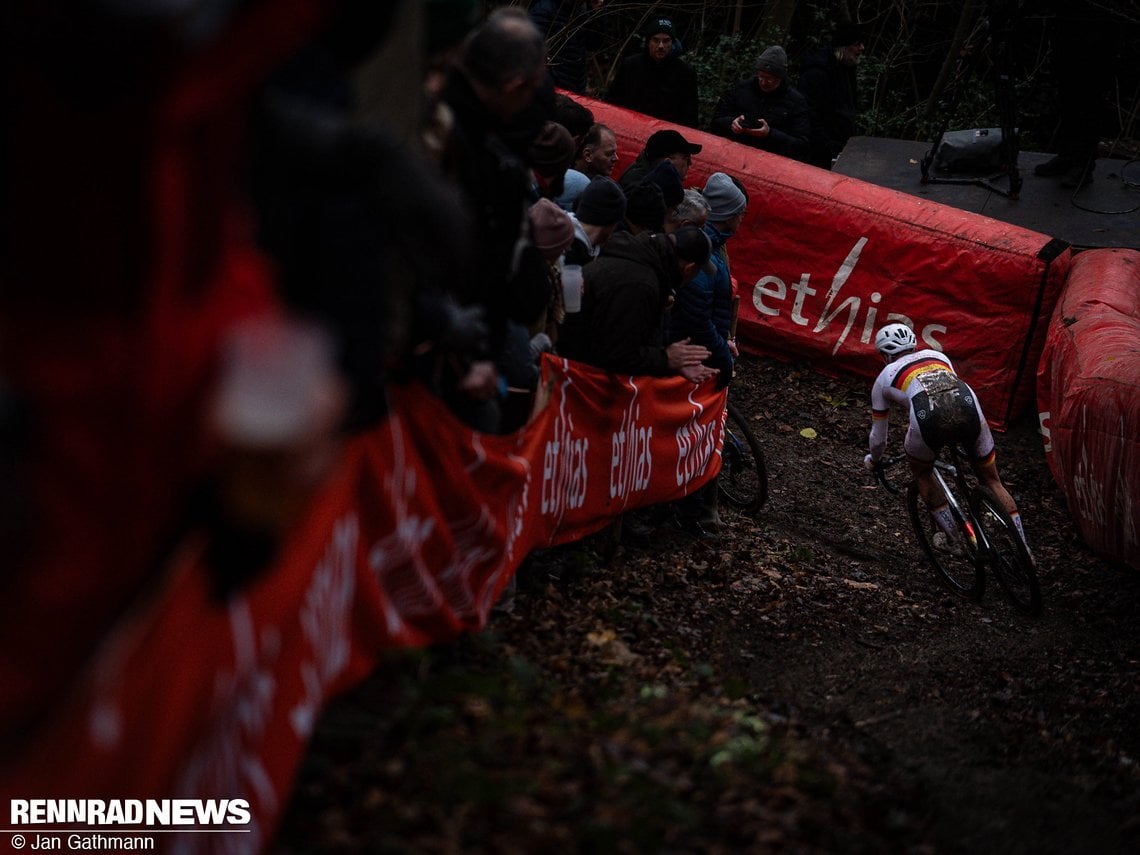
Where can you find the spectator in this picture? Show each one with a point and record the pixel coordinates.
(596, 215)
(656, 81)
(576, 118)
(645, 209)
(661, 146)
(1085, 41)
(668, 180)
(703, 315)
(703, 312)
(597, 157)
(598, 154)
(552, 232)
(693, 210)
(628, 290)
(765, 111)
(599, 211)
(550, 156)
(502, 67)
(573, 183)
(829, 83)
(567, 26)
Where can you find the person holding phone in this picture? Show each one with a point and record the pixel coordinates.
(765, 111)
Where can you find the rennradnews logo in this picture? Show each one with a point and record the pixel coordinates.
(178, 813)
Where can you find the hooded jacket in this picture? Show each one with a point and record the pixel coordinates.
(785, 110)
(623, 306)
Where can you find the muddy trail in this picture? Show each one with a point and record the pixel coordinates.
(802, 683)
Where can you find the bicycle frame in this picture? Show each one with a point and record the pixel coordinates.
(980, 545)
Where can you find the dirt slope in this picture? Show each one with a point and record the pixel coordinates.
(800, 684)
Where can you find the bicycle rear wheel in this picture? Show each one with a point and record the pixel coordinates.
(956, 562)
(743, 480)
(1009, 560)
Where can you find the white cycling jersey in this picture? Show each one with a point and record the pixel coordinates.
(929, 374)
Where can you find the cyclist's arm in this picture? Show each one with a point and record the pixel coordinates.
(880, 411)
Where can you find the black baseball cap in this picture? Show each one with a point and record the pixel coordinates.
(667, 142)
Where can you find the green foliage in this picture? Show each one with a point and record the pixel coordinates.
(720, 66)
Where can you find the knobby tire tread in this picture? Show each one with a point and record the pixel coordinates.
(1009, 560)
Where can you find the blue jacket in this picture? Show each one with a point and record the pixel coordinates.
(703, 309)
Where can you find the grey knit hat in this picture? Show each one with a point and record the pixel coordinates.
(773, 60)
(724, 198)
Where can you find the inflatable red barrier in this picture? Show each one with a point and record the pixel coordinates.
(824, 260)
(409, 543)
(1088, 393)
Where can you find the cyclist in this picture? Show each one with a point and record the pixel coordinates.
(943, 409)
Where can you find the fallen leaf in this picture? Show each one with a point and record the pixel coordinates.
(808, 433)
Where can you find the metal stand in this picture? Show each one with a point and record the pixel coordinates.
(997, 38)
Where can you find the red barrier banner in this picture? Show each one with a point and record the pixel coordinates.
(1088, 393)
(824, 260)
(410, 542)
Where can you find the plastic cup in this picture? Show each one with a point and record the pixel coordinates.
(572, 287)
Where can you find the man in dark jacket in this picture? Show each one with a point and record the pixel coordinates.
(628, 288)
(828, 82)
(766, 111)
(657, 81)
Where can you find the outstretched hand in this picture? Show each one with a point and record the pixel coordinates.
(698, 373)
(682, 354)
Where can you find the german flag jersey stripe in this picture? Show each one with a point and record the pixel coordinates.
(922, 366)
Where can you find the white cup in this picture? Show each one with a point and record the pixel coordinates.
(572, 287)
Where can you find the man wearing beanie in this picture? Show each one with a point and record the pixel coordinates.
(597, 213)
(656, 81)
(550, 155)
(828, 82)
(703, 315)
(765, 111)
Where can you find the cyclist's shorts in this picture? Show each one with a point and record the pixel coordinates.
(945, 413)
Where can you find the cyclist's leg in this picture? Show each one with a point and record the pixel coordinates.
(921, 458)
(984, 460)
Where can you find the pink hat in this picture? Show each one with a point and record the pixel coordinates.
(551, 228)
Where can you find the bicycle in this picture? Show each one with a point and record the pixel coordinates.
(986, 536)
(743, 481)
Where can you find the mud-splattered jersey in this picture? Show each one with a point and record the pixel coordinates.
(900, 381)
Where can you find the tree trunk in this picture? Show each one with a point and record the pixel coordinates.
(780, 14)
(965, 21)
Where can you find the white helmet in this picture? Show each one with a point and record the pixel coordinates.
(894, 339)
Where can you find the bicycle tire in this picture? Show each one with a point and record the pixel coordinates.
(960, 570)
(743, 481)
(1009, 560)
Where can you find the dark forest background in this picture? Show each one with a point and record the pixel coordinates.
(928, 63)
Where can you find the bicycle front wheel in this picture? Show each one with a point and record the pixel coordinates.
(743, 481)
(955, 560)
(1009, 559)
